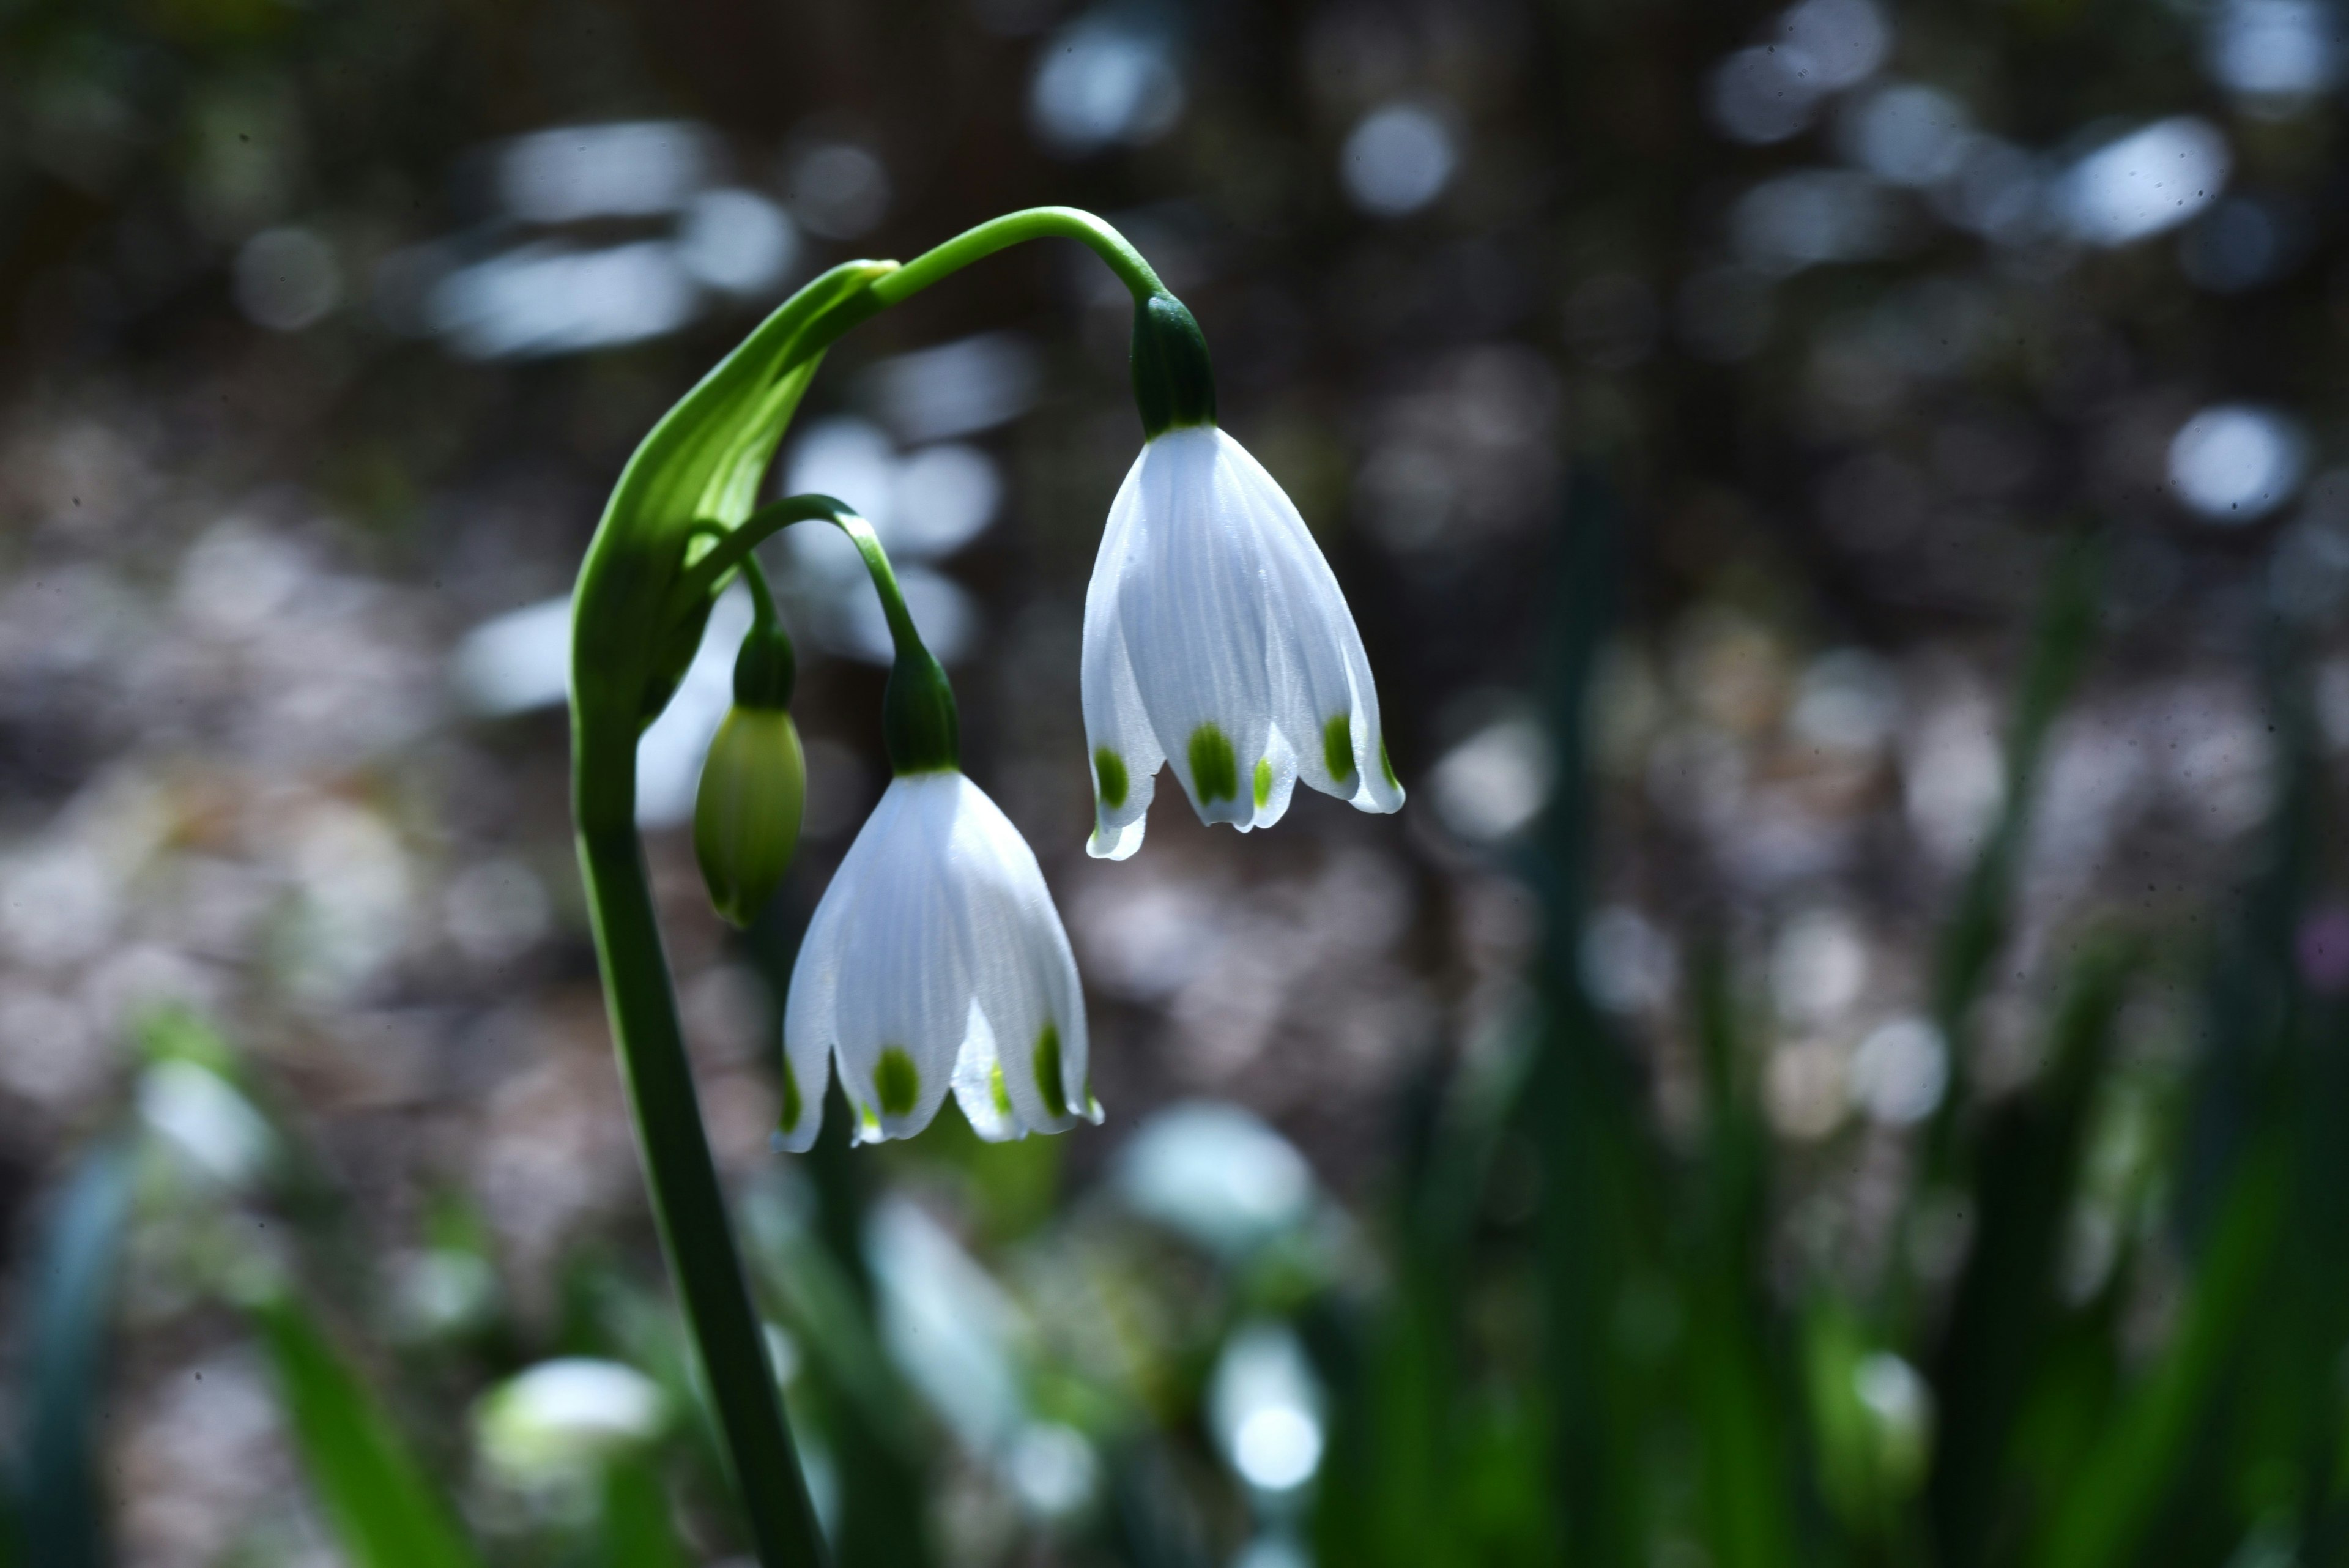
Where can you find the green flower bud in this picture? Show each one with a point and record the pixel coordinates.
(746, 817)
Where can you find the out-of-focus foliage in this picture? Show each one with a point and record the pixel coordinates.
(1841, 1060)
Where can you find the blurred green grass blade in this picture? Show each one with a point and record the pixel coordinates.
(637, 1530)
(2006, 1303)
(64, 1520)
(1742, 1403)
(385, 1512)
(2059, 644)
(1582, 1108)
(2102, 1517)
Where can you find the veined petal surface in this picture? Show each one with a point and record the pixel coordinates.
(1216, 638)
(936, 961)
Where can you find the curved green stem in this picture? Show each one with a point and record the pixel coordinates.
(1011, 228)
(738, 546)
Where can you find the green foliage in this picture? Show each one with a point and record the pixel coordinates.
(386, 1511)
(64, 1358)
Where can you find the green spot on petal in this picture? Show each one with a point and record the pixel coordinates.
(1263, 781)
(1215, 771)
(1387, 767)
(999, 1091)
(896, 1081)
(1338, 747)
(791, 1103)
(1109, 773)
(1048, 1071)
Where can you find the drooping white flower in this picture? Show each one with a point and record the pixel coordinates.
(1216, 638)
(937, 959)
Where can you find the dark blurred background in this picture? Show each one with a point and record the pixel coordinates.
(1840, 500)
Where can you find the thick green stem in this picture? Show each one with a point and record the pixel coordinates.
(689, 1204)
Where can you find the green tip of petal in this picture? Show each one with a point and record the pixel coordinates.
(1109, 774)
(1215, 769)
(1048, 1071)
(792, 1105)
(1263, 781)
(999, 1091)
(896, 1081)
(1338, 747)
(1387, 767)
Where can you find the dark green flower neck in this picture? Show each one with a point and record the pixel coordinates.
(766, 668)
(1173, 385)
(919, 719)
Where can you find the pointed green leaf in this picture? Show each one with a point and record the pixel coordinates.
(385, 1510)
(64, 1506)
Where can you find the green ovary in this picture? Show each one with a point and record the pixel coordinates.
(1109, 774)
(1338, 747)
(896, 1081)
(1263, 781)
(1048, 1071)
(1215, 769)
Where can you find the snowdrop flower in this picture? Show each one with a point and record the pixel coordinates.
(936, 958)
(1216, 636)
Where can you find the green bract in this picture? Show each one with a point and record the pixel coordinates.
(630, 636)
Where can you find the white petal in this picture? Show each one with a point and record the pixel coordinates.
(1120, 746)
(978, 1084)
(903, 998)
(1322, 674)
(1025, 974)
(811, 1011)
(936, 939)
(1195, 611)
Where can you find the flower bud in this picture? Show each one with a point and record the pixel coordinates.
(746, 816)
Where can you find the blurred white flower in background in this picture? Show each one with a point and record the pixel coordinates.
(560, 1421)
(1771, 91)
(1495, 781)
(288, 279)
(1216, 1174)
(206, 1118)
(1818, 966)
(1107, 79)
(737, 241)
(2236, 463)
(1813, 215)
(1906, 133)
(1899, 1071)
(838, 189)
(1263, 1405)
(1627, 964)
(1764, 94)
(624, 169)
(2278, 53)
(1398, 157)
(2148, 180)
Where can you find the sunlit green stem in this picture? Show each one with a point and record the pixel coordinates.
(1011, 228)
(736, 547)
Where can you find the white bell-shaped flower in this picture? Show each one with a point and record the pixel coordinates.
(1216, 638)
(937, 959)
